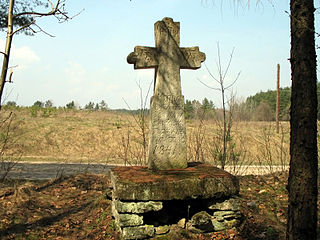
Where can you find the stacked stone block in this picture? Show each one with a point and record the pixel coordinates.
(217, 216)
(129, 218)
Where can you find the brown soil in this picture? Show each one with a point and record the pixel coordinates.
(68, 208)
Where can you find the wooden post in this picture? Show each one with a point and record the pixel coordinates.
(278, 98)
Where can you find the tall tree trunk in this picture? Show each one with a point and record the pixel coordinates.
(6, 54)
(302, 185)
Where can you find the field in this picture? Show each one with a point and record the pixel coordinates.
(110, 137)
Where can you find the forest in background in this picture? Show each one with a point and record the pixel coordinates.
(259, 107)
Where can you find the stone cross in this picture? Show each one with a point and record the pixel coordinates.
(167, 131)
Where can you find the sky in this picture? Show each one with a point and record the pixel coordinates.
(86, 60)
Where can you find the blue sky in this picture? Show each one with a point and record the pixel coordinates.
(86, 61)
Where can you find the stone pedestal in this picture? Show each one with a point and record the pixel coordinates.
(201, 198)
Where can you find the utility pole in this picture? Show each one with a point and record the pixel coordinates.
(278, 98)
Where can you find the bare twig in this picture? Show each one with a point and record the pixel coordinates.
(217, 89)
(40, 30)
(141, 121)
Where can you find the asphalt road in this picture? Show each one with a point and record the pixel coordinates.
(46, 171)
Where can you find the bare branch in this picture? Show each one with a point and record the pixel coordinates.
(36, 14)
(217, 89)
(53, 11)
(24, 27)
(145, 100)
(57, 10)
(219, 65)
(51, 4)
(142, 104)
(41, 30)
(10, 77)
(229, 86)
(229, 63)
(211, 73)
(132, 114)
(75, 15)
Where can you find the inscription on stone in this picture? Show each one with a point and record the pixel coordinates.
(167, 134)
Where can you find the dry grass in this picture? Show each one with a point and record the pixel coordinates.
(252, 143)
(109, 137)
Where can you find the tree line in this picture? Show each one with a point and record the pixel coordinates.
(91, 106)
(259, 107)
(265, 103)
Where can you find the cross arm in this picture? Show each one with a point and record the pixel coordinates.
(191, 58)
(143, 57)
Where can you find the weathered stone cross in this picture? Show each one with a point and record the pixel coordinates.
(167, 134)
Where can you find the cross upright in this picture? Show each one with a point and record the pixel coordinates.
(167, 134)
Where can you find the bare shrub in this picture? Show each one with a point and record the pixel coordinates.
(10, 148)
(124, 147)
(130, 149)
(137, 146)
(227, 114)
(273, 149)
(196, 142)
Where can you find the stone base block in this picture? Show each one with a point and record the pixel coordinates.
(197, 181)
(200, 198)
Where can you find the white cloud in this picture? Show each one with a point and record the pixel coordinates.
(86, 85)
(21, 56)
(25, 54)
